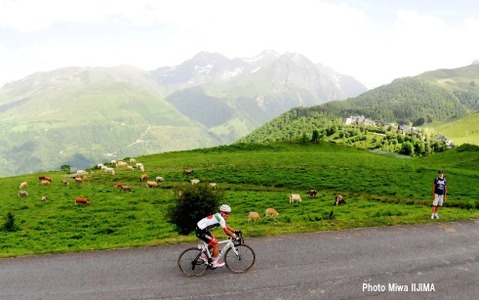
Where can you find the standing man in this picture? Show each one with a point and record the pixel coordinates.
(439, 192)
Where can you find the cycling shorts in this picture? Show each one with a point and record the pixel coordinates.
(204, 235)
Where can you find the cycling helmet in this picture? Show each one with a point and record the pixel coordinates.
(225, 208)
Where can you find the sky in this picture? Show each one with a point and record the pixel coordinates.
(375, 41)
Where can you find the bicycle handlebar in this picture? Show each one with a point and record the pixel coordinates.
(239, 237)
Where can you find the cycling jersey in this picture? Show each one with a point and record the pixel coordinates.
(212, 221)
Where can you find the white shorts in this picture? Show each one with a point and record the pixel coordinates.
(438, 200)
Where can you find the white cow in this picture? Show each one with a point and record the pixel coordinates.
(294, 198)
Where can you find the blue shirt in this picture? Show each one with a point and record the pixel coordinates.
(439, 185)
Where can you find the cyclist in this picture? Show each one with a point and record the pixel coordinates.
(204, 226)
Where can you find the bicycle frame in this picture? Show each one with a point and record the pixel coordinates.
(239, 260)
(229, 244)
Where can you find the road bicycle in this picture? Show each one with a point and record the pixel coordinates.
(238, 257)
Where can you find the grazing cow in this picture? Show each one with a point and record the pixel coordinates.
(82, 201)
(187, 172)
(159, 179)
(144, 177)
(125, 188)
(253, 216)
(294, 198)
(121, 164)
(312, 193)
(151, 184)
(195, 181)
(46, 182)
(78, 180)
(65, 182)
(41, 177)
(132, 161)
(271, 212)
(213, 185)
(140, 166)
(22, 193)
(339, 199)
(44, 198)
(49, 179)
(23, 185)
(130, 168)
(118, 185)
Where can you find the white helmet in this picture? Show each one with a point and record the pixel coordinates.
(225, 208)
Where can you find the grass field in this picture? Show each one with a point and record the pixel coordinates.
(464, 130)
(380, 190)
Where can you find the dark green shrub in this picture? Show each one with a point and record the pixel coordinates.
(10, 222)
(193, 203)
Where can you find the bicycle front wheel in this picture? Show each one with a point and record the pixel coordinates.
(190, 264)
(241, 262)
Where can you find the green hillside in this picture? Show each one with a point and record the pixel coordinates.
(380, 190)
(78, 116)
(438, 96)
(462, 131)
(437, 102)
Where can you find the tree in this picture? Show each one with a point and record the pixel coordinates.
(193, 203)
(65, 168)
(419, 122)
(304, 138)
(10, 222)
(315, 138)
(407, 149)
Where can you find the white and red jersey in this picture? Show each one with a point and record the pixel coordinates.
(212, 221)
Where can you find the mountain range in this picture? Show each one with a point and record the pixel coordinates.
(79, 116)
(444, 99)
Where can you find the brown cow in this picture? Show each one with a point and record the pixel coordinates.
(271, 212)
(144, 177)
(339, 199)
(151, 184)
(46, 182)
(125, 188)
(118, 185)
(82, 201)
(312, 193)
(253, 216)
(22, 193)
(78, 180)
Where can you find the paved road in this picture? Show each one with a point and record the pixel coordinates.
(354, 264)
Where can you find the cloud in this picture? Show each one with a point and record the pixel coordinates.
(31, 15)
(373, 45)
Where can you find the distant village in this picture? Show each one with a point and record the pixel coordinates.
(362, 120)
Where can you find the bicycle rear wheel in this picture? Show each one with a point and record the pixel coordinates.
(190, 264)
(241, 262)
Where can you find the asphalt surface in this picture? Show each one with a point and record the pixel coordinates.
(429, 261)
